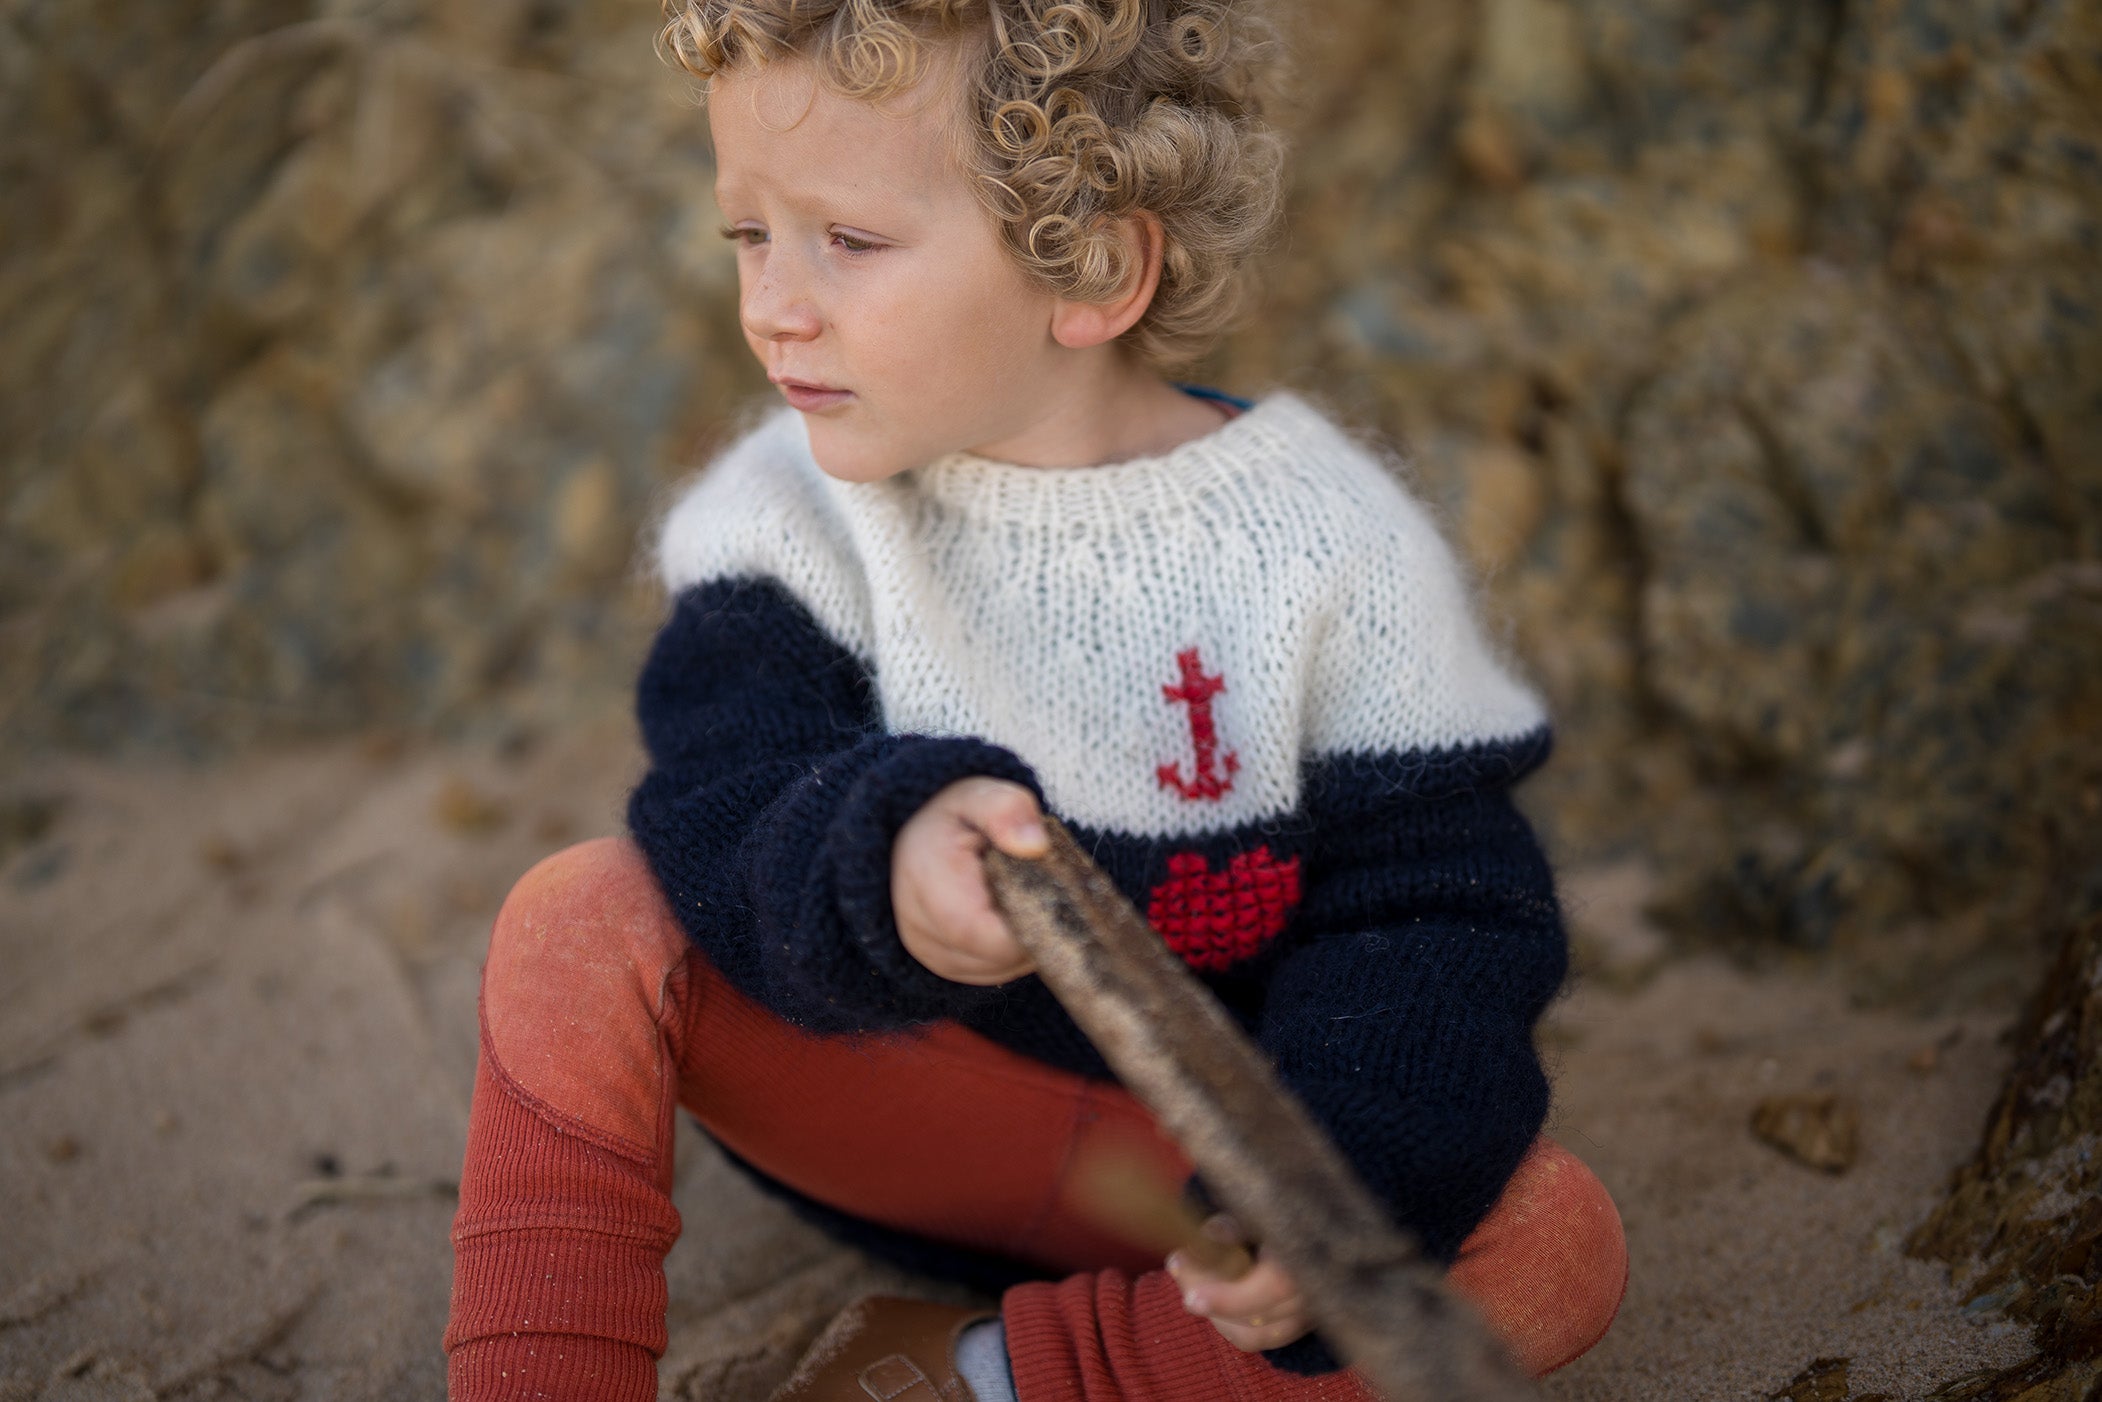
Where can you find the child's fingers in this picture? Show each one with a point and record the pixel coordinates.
(1257, 1310)
(1007, 814)
(962, 912)
(945, 913)
(1271, 1333)
(1220, 1250)
(1265, 1292)
(938, 885)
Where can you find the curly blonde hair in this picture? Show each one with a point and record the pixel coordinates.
(1081, 112)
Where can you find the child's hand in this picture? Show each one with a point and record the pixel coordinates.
(1259, 1310)
(937, 880)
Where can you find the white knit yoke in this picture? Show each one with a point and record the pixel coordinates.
(1046, 609)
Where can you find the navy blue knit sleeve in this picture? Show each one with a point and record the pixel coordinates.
(1428, 945)
(771, 803)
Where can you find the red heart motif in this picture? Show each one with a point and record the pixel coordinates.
(1216, 919)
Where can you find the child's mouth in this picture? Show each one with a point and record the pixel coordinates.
(810, 398)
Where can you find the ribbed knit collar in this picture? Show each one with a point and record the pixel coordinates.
(1268, 435)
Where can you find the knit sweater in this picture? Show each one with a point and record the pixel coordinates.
(1244, 672)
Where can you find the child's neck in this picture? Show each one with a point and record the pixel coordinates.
(1108, 408)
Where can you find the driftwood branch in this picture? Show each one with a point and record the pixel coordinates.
(1373, 1295)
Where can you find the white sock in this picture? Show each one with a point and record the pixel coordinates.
(981, 1356)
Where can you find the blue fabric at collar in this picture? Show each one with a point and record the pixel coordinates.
(1219, 395)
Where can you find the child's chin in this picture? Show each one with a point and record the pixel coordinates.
(852, 458)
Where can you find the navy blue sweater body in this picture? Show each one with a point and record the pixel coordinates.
(1398, 1001)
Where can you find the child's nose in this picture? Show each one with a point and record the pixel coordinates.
(776, 305)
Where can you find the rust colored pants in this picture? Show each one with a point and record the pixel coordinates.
(599, 1021)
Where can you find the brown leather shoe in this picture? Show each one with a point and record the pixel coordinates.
(888, 1350)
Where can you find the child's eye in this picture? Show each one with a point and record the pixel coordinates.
(851, 244)
(746, 235)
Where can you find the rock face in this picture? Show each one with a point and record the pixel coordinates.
(1750, 352)
(348, 347)
(2023, 1221)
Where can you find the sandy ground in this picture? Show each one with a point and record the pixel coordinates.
(237, 1039)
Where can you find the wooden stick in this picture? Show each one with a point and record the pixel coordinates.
(1124, 1192)
(1373, 1295)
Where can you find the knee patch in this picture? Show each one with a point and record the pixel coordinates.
(1549, 1266)
(580, 990)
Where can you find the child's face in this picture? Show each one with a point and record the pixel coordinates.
(873, 285)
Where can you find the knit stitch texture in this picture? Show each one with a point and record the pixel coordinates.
(1246, 672)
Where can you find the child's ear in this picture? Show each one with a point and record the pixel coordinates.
(1077, 325)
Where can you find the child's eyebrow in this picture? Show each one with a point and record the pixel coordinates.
(879, 204)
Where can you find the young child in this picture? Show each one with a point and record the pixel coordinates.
(990, 563)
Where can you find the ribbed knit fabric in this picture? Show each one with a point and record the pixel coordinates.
(558, 1267)
(1110, 1337)
(1246, 674)
(532, 1367)
(594, 993)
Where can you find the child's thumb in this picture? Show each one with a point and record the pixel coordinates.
(1017, 825)
(1026, 837)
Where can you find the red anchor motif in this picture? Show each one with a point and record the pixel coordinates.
(1197, 690)
(1216, 919)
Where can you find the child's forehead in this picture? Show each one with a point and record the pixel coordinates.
(781, 123)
